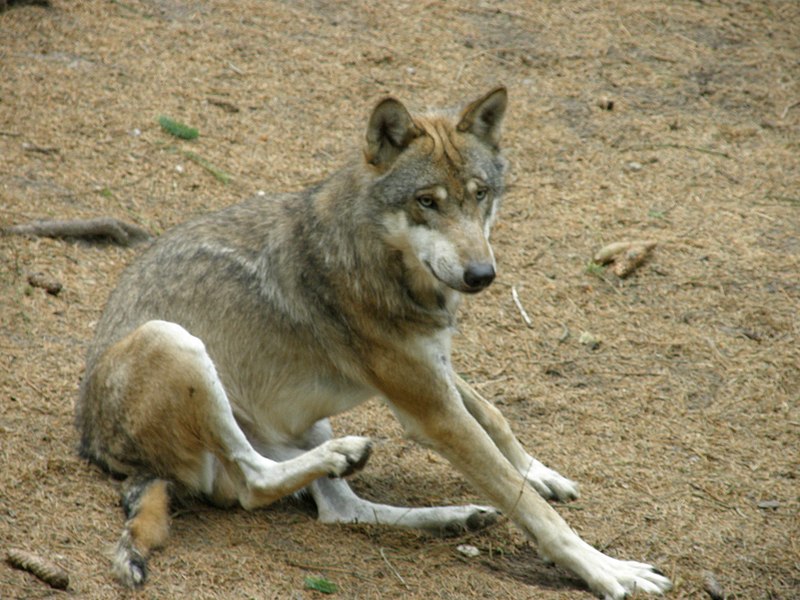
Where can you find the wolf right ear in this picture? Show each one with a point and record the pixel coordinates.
(484, 117)
(391, 129)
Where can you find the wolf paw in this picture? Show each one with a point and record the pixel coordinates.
(609, 578)
(550, 484)
(129, 566)
(460, 519)
(627, 577)
(347, 455)
(481, 517)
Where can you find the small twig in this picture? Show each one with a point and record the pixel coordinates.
(397, 574)
(40, 149)
(525, 316)
(331, 569)
(677, 146)
(224, 105)
(121, 233)
(493, 11)
(722, 358)
(34, 387)
(788, 108)
(711, 496)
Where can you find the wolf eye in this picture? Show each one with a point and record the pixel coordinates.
(481, 194)
(426, 201)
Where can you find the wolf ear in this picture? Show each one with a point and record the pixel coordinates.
(389, 132)
(484, 117)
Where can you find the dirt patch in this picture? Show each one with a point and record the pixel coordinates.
(682, 425)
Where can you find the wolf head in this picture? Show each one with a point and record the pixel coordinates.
(441, 180)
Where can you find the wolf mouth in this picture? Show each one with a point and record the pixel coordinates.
(436, 277)
(463, 287)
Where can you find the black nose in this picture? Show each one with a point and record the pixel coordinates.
(478, 276)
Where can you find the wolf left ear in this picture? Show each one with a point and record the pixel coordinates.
(484, 117)
(390, 131)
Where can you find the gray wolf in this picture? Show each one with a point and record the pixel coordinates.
(228, 344)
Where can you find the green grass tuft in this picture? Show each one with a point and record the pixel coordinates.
(594, 269)
(321, 584)
(218, 173)
(179, 130)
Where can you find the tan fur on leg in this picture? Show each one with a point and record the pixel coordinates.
(146, 503)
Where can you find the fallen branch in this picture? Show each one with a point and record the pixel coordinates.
(118, 232)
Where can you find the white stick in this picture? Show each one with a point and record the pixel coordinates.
(525, 316)
(397, 574)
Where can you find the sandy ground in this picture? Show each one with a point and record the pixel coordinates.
(676, 122)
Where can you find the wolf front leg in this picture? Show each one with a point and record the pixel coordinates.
(549, 483)
(428, 403)
(338, 503)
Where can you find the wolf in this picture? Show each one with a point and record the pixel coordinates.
(227, 345)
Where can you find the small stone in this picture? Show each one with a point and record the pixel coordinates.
(712, 586)
(590, 340)
(47, 283)
(769, 504)
(468, 551)
(606, 103)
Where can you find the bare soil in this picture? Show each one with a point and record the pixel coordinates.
(677, 122)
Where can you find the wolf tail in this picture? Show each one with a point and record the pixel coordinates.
(145, 500)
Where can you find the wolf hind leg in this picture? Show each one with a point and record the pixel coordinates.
(187, 430)
(145, 500)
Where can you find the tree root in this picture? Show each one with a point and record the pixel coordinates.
(100, 228)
